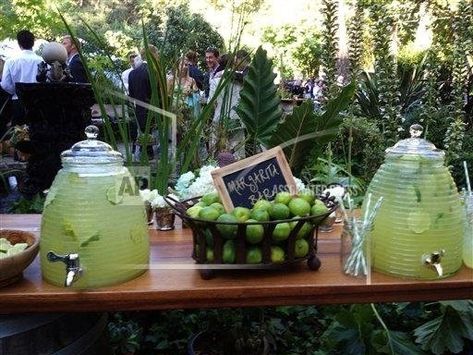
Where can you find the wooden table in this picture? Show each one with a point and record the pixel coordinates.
(172, 282)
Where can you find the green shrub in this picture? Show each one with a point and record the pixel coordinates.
(367, 149)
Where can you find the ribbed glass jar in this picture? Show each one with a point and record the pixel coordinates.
(421, 215)
(94, 209)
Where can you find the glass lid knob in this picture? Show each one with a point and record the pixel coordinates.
(416, 130)
(91, 132)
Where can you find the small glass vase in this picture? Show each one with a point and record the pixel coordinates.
(468, 232)
(165, 218)
(149, 213)
(327, 225)
(355, 249)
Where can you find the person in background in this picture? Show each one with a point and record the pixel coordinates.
(183, 86)
(227, 101)
(194, 72)
(73, 60)
(214, 81)
(21, 68)
(139, 89)
(126, 73)
(5, 106)
(211, 58)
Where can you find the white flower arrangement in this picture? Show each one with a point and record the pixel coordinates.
(337, 191)
(299, 184)
(148, 195)
(189, 185)
(159, 201)
(154, 199)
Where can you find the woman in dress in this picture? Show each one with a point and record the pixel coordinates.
(185, 93)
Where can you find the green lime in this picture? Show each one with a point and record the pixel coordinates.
(113, 196)
(299, 207)
(229, 254)
(253, 255)
(194, 211)
(419, 221)
(210, 198)
(259, 215)
(281, 232)
(241, 213)
(279, 211)
(318, 208)
(208, 213)
(209, 238)
(262, 205)
(301, 248)
(218, 206)
(304, 231)
(283, 197)
(201, 204)
(229, 231)
(254, 232)
(210, 255)
(308, 195)
(277, 254)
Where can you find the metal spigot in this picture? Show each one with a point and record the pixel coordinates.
(73, 268)
(433, 260)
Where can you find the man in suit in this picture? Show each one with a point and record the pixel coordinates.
(73, 60)
(211, 58)
(21, 68)
(139, 89)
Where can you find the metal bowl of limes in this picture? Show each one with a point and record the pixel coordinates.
(260, 241)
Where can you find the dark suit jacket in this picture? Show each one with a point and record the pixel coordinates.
(139, 87)
(77, 70)
(197, 75)
(6, 111)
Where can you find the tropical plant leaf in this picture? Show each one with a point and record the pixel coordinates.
(353, 330)
(259, 107)
(293, 135)
(446, 332)
(304, 129)
(399, 343)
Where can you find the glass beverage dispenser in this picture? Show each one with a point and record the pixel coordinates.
(419, 228)
(94, 230)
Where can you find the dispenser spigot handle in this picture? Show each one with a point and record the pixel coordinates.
(433, 260)
(72, 262)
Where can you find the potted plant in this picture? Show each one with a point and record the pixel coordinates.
(164, 214)
(147, 196)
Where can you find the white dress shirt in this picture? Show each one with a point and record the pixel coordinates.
(22, 68)
(125, 76)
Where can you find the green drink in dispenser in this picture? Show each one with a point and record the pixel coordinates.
(418, 231)
(94, 229)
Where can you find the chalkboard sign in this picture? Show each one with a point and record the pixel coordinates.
(248, 180)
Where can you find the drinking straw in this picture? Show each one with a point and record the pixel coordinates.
(342, 208)
(367, 210)
(468, 185)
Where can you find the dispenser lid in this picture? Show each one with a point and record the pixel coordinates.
(91, 151)
(415, 146)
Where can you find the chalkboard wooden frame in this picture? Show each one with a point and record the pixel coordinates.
(218, 175)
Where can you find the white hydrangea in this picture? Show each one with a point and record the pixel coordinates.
(184, 181)
(299, 184)
(158, 202)
(198, 185)
(148, 195)
(337, 191)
